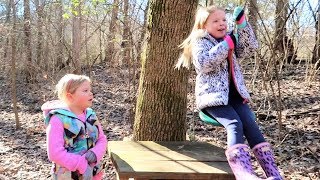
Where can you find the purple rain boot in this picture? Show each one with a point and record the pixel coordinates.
(264, 155)
(239, 160)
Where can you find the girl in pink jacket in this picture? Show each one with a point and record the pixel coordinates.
(75, 139)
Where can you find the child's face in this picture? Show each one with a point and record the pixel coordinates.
(216, 24)
(83, 96)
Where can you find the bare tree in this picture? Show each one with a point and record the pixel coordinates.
(209, 2)
(126, 35)
(13, 64)
(27, 41)
(280, 21)
(76, 37)
(39, 8)
(162, 100)
(60, 35)
(9, 5)
(316, 49)
(252, 15)
(110, 49)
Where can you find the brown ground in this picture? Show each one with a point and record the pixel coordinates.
(23, 151)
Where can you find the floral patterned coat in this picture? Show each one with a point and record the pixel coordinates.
(211, 64)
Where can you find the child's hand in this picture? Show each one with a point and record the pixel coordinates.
(239, 17)
(91, 157)
(87, 175)
(230, 40)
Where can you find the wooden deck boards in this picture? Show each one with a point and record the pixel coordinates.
(168, 160)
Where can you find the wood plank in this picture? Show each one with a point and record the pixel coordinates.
(172, 166)
(186, 147)
(173, 169)
(168, 160)
(170, 155)
(165, 145)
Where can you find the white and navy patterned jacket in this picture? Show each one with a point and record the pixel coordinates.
(210, 61)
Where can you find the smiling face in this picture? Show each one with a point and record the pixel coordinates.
(216, 24)
(81, 98)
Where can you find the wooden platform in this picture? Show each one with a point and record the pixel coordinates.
(168, 160)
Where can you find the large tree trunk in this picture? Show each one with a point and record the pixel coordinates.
(162, 100)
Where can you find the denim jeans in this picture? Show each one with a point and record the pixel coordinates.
(238, 119)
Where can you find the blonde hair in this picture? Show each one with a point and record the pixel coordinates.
(69, 83)
(198, 31)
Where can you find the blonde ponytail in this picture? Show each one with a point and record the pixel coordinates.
(198, 31)
(186, 56)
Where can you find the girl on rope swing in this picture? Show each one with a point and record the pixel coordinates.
(220, 88)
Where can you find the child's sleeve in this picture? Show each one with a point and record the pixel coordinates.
(207, 56)
(101, 145)
(248, 43)
(56, 151)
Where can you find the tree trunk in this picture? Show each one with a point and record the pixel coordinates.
(316, 49)
(27, 42)
(142, 35)
(281, 31)
(5, 54)
(13, 64)
(39, 7)
(126, 44)
(126, 35)
(59, 63)
(209, 2)
(252, 15)
(110, 54)
(162, 100)
(76, 38)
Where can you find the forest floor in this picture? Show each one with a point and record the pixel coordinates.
(297, 149)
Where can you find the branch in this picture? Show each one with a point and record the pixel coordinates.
(304, 112)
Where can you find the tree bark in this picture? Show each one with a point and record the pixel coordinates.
(76, 39)
(110, 54)
(252, 15)
(143, 32)
(316, 49)
(281, 30)
(13, 65)
(126, 35)
(27, 42)
(162, 100)
(5, 54)
(39, 49)
(59, 63)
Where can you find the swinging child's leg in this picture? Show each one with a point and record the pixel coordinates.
(228, 117)
(250, 127)
(261, 149)
(237, 153)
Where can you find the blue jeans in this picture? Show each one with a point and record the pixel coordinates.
(238, 119)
